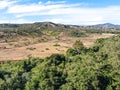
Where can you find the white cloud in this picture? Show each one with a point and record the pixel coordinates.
(53, 2)
(35, 8)
(6, 3)
(61, 12)
(18, 21)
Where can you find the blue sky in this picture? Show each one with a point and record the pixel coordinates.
(79, 12)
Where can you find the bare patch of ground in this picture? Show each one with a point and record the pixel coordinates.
(19, 51)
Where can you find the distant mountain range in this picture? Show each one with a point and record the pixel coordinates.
(51, 24)
(39, 29)
(106, 25)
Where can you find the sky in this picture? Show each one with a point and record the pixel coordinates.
(76, 12)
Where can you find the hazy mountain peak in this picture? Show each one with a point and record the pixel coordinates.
(106, 24)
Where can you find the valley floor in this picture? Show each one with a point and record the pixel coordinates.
(8, 51)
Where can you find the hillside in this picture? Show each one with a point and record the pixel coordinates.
(39, 29)
(41, 39)
(81, 68)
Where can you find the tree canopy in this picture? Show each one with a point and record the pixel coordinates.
(95, 68)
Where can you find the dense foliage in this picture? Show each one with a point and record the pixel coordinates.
(95, 68)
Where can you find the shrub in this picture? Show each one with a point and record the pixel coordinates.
(56, 44)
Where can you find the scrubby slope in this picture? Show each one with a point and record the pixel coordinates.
(96, 68)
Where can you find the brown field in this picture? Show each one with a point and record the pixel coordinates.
(19, 51)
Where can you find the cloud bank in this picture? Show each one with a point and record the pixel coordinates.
(58, 12)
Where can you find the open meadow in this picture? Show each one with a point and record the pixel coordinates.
(20, 50)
